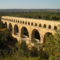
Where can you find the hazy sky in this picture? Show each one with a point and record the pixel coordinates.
(28, 4)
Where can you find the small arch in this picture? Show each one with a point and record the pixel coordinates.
(23, 22)
(18, 21)
(44, 25)
(40, 25)
(11, 20)
(10, 27)
(49, 26)
(32, 24)
(28, 23)
(35, 37)
(16, 30)
(24, 32)
(55, 27)
(14, 20)
(35, 24)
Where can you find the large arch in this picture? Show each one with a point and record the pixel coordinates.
(16, 30)
(48, 34)
(24, 32)
(10, 27)
(35, 37)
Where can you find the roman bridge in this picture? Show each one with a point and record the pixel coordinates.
(29, 29)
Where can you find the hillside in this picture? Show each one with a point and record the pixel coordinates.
(29, 10)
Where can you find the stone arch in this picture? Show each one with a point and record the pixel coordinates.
(49, 27)
(35, 24)
(44, 25)
(16, 29)
(40, 25)
(10, 27)
(48, 34)
(24, 32)
(32, 24)
(35, 36)
(55, 27)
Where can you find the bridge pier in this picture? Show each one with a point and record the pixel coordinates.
(42, 39)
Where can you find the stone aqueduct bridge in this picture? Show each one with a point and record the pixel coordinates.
(30, 29)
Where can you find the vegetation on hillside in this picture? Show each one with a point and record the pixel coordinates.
(37, 15)
(52, 46)
(7, 43)
(9, 48)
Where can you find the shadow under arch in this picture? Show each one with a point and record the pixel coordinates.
(10, 27)
(48, 34)
(16, 29)
(24, 32)
(35, 37)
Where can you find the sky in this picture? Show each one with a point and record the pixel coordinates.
(29, 4)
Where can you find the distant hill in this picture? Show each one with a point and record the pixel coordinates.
(29, 10)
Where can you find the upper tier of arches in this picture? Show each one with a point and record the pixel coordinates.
(39, 24)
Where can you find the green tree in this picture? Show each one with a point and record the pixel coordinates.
(8, 44)
(52, 45)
